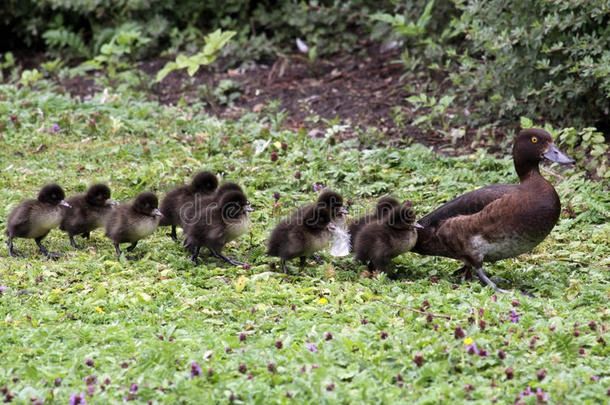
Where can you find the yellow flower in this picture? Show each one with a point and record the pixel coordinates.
(322, 301)
(100, 310)
(468, 341)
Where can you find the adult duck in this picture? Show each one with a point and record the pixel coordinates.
(501, 220)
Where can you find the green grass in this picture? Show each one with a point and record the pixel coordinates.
(144, 322)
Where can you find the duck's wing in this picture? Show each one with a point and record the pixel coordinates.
(467, 204)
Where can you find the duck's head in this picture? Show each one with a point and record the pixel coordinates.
(205, 182)
(234, 204)
(403, 216)
(333, 202)
(385, 204)
(52, 194)
(227, 187)
(99, 195)
(147, 204)
(317, 217)
(533, 145)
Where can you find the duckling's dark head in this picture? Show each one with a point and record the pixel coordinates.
(316, 217)
(234, 204)
(228, 186)
(52, 194)
(205, 182)
(334, 202)
(531, 146)
(403, 216)
(147, 204)
(99, 195)
(385, 204)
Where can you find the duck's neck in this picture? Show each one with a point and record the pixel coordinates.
(526, 170)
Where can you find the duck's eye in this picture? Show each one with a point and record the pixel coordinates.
(534, 139)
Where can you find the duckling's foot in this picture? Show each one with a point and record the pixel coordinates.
(132, 258)
(226, 258)
(173, 234)
(490, 283)
(284, 269)
(132, 246)
(11, 251)
(195, 257)
(73, 244)
(302, 261)
(527, 294)
(465, 273)
(317, 258)
(45, 251)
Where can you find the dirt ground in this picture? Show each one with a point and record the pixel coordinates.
(363, 90)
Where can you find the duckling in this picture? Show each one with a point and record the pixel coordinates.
(501, 220)
(33, 219)
(89, 211)
(301, 234)
(378, 242)
(384, 205)
(204, 184)
(220, 221)
(132, 222)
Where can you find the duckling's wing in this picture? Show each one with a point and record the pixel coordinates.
(18, 220)
(467, 204)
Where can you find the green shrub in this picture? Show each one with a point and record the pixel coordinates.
(546, 59)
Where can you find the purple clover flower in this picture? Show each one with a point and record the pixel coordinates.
(312, 348)
(2, 288)
(55, 128)
(318, 187)
(472, 349)
(514, 317)
(78, 399)
(134, 388)
(195, 369)
(90, 390)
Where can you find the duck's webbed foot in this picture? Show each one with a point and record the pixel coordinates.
(481, 274)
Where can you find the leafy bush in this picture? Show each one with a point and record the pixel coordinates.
(545, 59)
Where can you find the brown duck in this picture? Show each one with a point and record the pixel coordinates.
(501, 220)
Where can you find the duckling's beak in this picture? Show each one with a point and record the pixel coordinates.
(248, 208)
(554, 155)
(343, 211)
(65, 203)
(332, 226)
(157, 212)
(110, 202)
(418, 225)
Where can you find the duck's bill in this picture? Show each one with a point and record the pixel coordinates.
(418, 225)
(65, 203)
(248, 208)
(157, 212)
(110, 202)
(554, 155)
(343, 211)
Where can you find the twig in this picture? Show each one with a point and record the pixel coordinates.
(413, 309)
(599, 266)
(547, 171)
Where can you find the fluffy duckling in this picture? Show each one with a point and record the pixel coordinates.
(384, 206)
(89, 211)
(219, 221)
(379, 242)
(33, 219)
(204, 184)
(129, 223)
(301, 234)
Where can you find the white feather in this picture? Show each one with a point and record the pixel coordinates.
(341, 245)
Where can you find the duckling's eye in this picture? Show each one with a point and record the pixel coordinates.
(534, 139)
